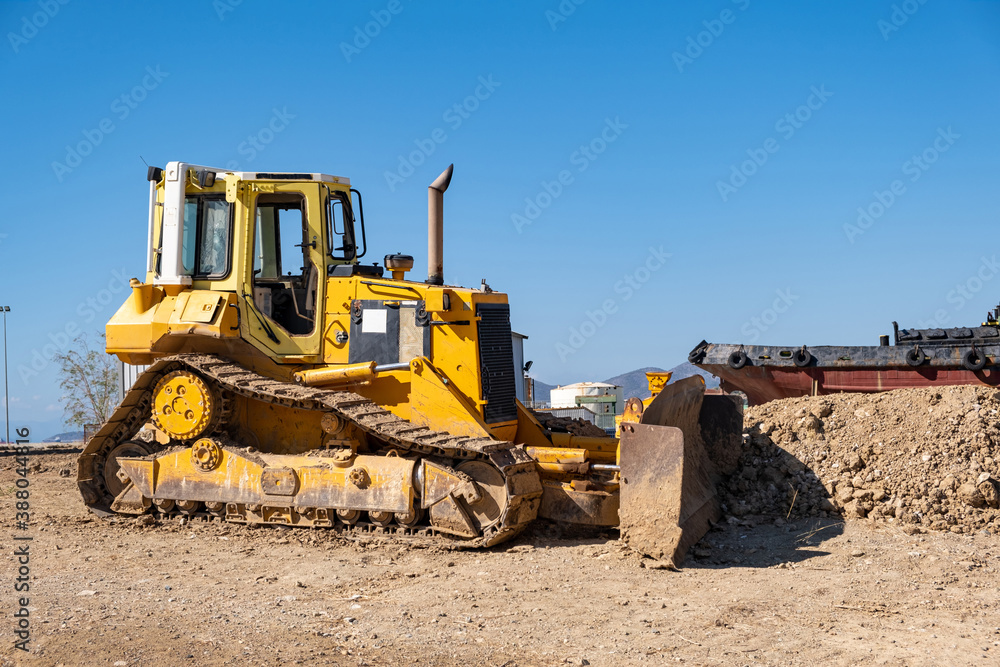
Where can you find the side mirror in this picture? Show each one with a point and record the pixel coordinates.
(360, 217)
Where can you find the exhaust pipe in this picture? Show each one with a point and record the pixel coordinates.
(435, 227)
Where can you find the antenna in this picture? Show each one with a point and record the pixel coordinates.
(144, 161)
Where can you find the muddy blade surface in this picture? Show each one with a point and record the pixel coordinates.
(670, 465)
(668, 498)
(678, 405)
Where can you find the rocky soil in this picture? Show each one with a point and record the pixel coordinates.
(924, 458)
(758, 590)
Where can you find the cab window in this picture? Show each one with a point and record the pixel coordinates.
(285, 279)
(205, 250)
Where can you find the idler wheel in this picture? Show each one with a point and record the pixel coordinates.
(184, 406)
(493, 487)
(738, 359)
(127, 449)
(973, 360)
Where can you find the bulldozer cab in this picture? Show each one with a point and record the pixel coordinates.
(272, 239)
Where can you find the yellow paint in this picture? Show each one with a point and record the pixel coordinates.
(320, 482)
(182, 405)
(529, 431)
(656, 382)
(439, 406)
(336, 375)
(201, 307)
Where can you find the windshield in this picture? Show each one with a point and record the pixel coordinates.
(205, 244)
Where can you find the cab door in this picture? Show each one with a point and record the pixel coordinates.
(284, 286)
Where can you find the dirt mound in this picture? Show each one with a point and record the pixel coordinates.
(921, 457)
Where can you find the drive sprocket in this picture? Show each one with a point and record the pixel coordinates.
(184, 406)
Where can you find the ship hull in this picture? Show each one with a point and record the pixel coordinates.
(770, 372)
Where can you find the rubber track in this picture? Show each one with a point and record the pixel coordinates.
(135, 410)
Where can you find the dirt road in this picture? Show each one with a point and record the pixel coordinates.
(756, 591)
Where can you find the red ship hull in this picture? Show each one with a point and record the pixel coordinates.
(768, 383)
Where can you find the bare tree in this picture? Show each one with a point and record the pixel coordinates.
(89, 380)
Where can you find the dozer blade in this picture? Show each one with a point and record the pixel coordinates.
(668, 497)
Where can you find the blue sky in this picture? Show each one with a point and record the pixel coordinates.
(590, 141)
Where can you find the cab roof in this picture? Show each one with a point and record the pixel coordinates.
(267, 175)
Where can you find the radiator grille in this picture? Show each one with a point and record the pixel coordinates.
(496, 356)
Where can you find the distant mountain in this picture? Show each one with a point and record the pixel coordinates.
(634, 383)
(69, 436)
(686, 370)
(542, 391)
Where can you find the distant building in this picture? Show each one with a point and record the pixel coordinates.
(127, 375)
(602, 399)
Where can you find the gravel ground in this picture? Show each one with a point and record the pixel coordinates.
(756, 590)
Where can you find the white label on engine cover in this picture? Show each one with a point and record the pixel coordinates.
(373, 321)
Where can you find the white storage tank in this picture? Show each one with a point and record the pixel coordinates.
(598, 397)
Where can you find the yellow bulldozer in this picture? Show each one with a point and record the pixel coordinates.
(288, 383)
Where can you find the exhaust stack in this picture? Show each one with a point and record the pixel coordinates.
(435, 227)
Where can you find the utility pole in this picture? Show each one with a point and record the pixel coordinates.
(6, 396)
